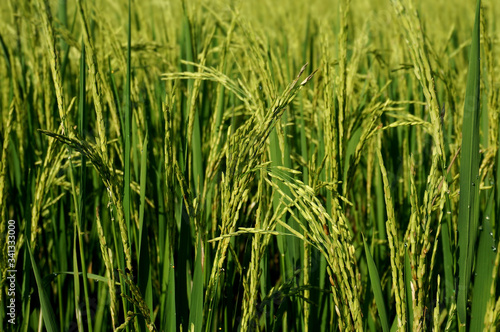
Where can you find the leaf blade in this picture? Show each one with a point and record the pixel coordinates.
(469, 174)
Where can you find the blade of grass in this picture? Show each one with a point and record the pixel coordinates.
(448, 261)
(486, 254)
(170, 319)
(76, 282)
(469, 176)
(377, 288)
(91, 276)
(409, 291)
(196, 308)
(47, 312)
(127, 132)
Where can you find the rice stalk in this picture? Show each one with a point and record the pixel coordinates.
(392, 236)
(234, 189)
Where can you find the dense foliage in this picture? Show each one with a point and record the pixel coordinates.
(252, 165)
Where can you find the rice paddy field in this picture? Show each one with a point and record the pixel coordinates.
(249, 165)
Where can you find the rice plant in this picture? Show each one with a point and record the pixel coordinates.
(249, 166)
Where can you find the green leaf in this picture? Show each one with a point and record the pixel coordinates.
(469, 175)
(408, 286)
(486, 254)
(196, 308)
(377, 288)
(47, 312)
